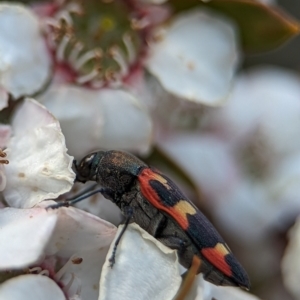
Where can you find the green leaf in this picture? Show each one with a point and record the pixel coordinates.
(262, 27)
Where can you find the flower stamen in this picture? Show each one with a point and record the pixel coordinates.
(61, 49)
(96, 40)
(139, 24)
(73, 57)
(119, 58)
(127, 40)
(88, 77)
(3, 161)
(68, 286)
(39, 271)
(84, 58)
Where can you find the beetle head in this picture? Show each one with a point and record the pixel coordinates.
(87, 168)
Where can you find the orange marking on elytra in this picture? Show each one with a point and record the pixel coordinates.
(178, 212)
(216, 256)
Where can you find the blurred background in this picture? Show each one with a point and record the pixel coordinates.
(225, 127)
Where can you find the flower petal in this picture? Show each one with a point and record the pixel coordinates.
(143, 262)
(205, 158)
(77, 229)
(39, 166)
(107, 118)
(204, 290)
(211, 291)
(84, 237)
(24, 59)
(16, 225)
(264, 100)
(33, 287)
(195, 57)
(290, 264)
(5, 133)
(98, 205)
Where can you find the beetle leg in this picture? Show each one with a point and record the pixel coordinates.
(129, 214)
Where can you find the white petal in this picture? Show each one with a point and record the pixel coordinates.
(264, 101)
(107, 119)
(144, 269)
(30, 287)
(205, 158)
(291, 263)
(39, 166)
(211, 291)
(77, 229)
(208, 291)
(81, 235)
(283, 185)
(99, 206)
(196, 57)
(32, 115)
(24, 59)
(5, 133)
(278, 92)
(24, 234)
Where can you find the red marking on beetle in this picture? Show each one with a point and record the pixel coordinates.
(216, 257)
(176, 212)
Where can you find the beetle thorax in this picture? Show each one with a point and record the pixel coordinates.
(118, 171)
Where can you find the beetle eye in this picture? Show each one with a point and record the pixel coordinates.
(85, 169)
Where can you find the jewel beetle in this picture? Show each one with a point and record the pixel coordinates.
(153, 201)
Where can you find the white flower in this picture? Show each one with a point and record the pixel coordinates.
(39, 167)
(68, 245)
(105, 75)
(195, 57)
(34, 287)
(105, 118)
(248, 160)
(144, 269)
(16, 225)
(290, 263)
(203, 290)
(25, 64)
(246, 163)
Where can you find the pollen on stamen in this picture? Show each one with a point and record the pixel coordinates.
(3, 161)
(112, 77)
